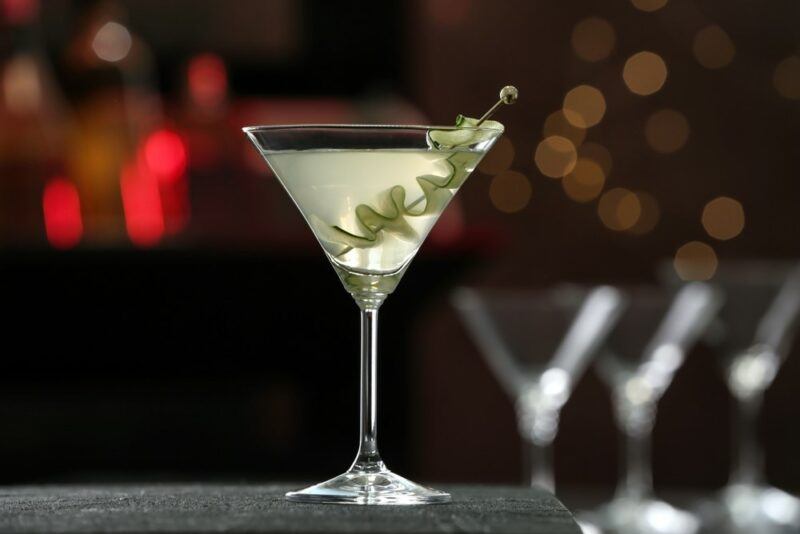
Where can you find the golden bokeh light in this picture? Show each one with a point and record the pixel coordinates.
(723, 218)
(499, 158)
(585, 182)
(713, 47)
(599, 154)
(666, 131)
(555, 156)
(786, 78)
(619, 209)
(584, 106)
(649, 5)
(645, 73)
(650, 214)
(695, 261)
(557, 124)
(510, 191)
(593, 39)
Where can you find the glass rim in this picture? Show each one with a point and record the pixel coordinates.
(271, 127)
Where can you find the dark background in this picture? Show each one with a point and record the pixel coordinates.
(225, 347)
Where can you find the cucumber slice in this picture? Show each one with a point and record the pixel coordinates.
(443, 139)
(391, 211)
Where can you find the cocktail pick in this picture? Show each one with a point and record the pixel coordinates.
(508, 96)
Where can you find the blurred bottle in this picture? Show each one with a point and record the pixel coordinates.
(109, 74)
(32, 124)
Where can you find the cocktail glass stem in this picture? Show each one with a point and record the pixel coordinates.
(538, 426)
(636, 422)
(749, 457)
(540, 465)
(368, 458)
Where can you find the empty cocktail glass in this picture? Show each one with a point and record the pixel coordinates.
(538, 344)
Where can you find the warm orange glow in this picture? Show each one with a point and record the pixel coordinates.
(555, 156)
(786, 78)
(645, 73)
(207, 80)
(62, 213)
(723, 218)
(593, 39)
(666, 131)
(713, 48)
(599, 154)
(165, 155)
(650, 214)
(141, 201)
(499, 158)
(557, 124)
(585, 182)
(584, 106)
(649, 5)
(619, 209)
(510, 191)
(695, 261)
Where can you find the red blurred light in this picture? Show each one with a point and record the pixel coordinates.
(141, 200)
(19, 11)
(165, 155)
(62, 213)
(207, 80)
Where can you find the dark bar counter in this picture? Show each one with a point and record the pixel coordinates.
(262, 508)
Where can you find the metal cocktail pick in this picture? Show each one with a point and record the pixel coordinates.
(508, 96)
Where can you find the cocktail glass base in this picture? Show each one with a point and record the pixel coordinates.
(369, 487)
(640, 516)
(757, 508)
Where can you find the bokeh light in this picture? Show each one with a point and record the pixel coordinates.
(164, 154)
(510, 191)
(584, 106)
(713, 47)
(649, 5)
(18, 11)
(112, 42)
(62, 213)
(645, 73)
(695, 261)
(141, 202)
(207, 80)
(619, 209)
(666, 131)
(557, 124)
(650, 214)
(599, 154)
(593, 39)
(499, 158)
(786, 78)
(22, 86)
(585, 182)
(723, 218)
(555, 156)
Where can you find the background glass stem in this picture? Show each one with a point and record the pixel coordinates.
(749, 457)
(539, 465)
(636, 423)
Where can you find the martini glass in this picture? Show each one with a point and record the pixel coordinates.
(371, 194)
(642, 354)
(538, 344)
(754, 335)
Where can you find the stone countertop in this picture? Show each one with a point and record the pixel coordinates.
(262, 509)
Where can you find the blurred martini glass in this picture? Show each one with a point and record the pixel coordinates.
(371, 194)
